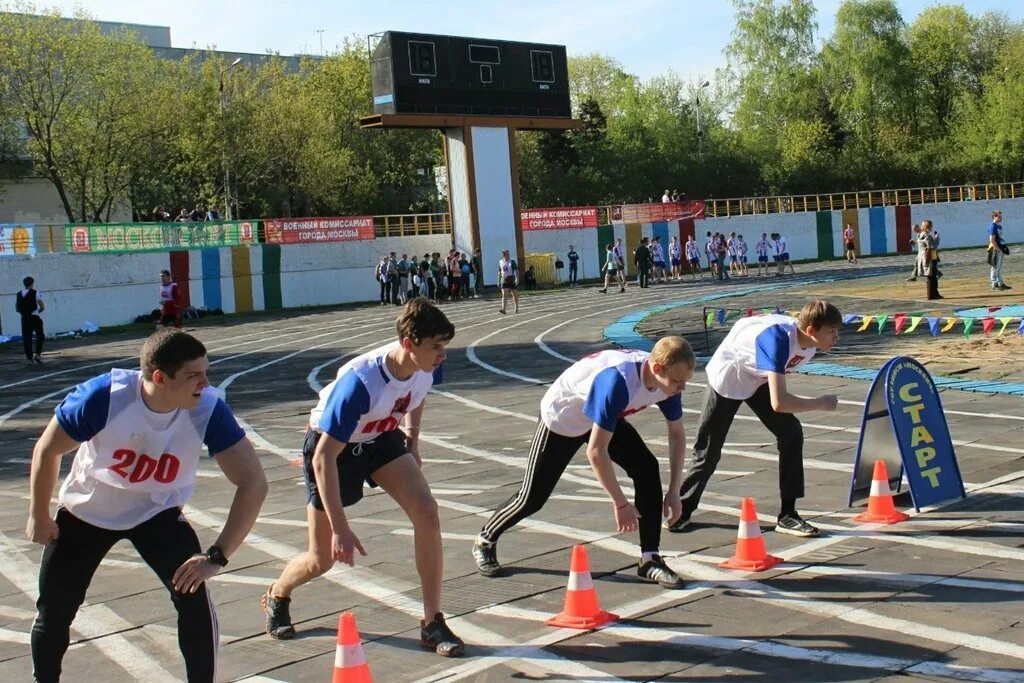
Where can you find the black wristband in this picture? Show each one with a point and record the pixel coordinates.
(216, 555)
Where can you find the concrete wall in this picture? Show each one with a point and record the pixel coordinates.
(35, 200)
(114, 289)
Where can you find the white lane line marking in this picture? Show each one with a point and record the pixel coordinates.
(446, 535)
(374, 585)
(100, 624)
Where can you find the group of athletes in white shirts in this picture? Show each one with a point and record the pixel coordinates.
(138, 436)
(724, 256)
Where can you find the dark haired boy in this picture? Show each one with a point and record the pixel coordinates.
(750, 366)
(353, 437)
(29, 304)
(170, 311)
(139, 437)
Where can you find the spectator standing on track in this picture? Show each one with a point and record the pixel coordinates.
(467, 271)
(741, 251)
(353, 436)
(750, 366)
(642, 261)
(437, 271)
(393, 279)
(611, 270)
(722, 251)
(734, 254)
(997, 251)
(170, 298)
(382, 277)
(477, 264)
(588, 404)
(693, 256)
(922, 249)
(29, 305)
(139, 437)
(658, 259)
(454, 274)
(851, 246)
(508, 280)
(675, 257)
(708, 254)
(782, 251)
(620, 257)
(574, 262)
(403, 278)
(765, 247)
(930, 263)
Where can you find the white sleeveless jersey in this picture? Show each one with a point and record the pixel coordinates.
(692, 250)
(780, 246)
(168, 293)
(129, 471)
(673, 249)
(505, 268)
(567, 402)
(365, 400)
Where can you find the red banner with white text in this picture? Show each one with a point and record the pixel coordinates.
(559, 219)
(307, 230)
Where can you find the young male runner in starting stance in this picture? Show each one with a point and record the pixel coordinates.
(587, 404)
(354, 436)
(750, 366)
(139, 437)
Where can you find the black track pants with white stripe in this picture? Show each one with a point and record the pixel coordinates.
(551, 453)
(164, 541)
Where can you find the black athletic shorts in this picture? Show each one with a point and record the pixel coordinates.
(356, 464)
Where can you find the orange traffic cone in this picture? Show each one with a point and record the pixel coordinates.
(881, 509)
(349, 661)
(750, 554)
(581, 607)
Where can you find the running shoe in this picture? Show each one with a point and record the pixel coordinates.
(656, 570)
(279, 621)
(486, 556)
(794, 525)
(438, 637)
(679, 525)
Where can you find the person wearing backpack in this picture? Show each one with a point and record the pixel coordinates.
(29, 305)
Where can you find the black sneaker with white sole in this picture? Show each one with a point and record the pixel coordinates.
(279, 621)
(679, 525)
(438, 637)
(794, 525)
(656, 570)
(486, 556)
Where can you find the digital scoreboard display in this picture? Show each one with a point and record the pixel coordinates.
(418, 73)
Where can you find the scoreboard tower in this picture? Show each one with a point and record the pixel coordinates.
(478, 92)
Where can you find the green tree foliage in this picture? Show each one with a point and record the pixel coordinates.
(882, 101)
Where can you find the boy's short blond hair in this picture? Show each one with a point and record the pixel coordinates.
(673, 350)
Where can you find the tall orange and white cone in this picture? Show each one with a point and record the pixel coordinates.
(581, 607)
(751, 554)
(881, 509)
(349, 661)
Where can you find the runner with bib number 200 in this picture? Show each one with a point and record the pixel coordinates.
(139, 437)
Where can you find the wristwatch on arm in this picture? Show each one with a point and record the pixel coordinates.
(215, 555)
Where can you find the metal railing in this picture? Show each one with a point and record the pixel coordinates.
(837, 201)
(405, 225)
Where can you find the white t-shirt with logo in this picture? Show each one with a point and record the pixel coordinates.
(366, 400)
(600, 389)
(754, 347)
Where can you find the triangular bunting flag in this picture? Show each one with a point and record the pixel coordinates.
(710, 319)
(750, 312)
(721, 315)
(950, 322)
(865, 321)
(1020, 330)
(899, 321)
(915, 320)
(933, 326)
(881, 322)
(968, 324)
(993, 309)
(987, 324)
(1005, 322)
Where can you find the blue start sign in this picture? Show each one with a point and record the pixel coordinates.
(904, 425)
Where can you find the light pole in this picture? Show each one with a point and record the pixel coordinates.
(224, 151)
(700, 132)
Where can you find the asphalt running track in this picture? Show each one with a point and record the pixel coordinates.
(936, 598)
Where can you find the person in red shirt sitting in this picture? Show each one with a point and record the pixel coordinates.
(170, 311)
